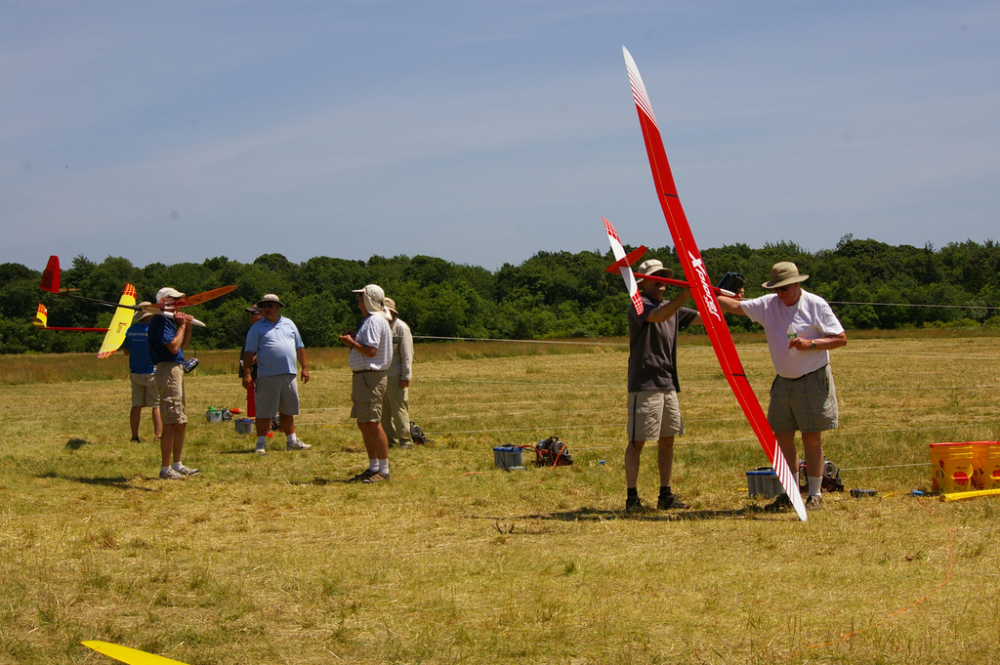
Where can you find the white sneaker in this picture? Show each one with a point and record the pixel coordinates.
(298, 445)
(261, 448)
(185, 471)
(170, 474)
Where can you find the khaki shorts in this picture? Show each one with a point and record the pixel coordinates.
(367, 391)
(276, 394)
(169, 378)
(144, 391)
(653, 414)
(806, 404)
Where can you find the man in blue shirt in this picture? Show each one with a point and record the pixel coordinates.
(140, 365)
(277, 344)
(168, 337)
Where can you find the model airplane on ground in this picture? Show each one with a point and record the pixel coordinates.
(125, 307)
(701, 288)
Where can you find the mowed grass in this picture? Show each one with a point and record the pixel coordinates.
(274, 559)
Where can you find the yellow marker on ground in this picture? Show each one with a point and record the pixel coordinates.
(120, 323)
(129, 655)
(955, 496)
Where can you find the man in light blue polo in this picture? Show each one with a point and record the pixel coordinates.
(277, 344)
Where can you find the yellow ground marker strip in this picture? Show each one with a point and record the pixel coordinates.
(955, 496)
(129, 655)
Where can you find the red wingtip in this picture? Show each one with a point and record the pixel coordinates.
(50, 278)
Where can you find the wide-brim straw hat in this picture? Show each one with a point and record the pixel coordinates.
(141, 315)
(783, 274)
(270, 297)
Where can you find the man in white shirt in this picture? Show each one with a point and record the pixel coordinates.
(801, 329)
(370, 356)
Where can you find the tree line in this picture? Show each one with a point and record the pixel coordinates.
(551, 295)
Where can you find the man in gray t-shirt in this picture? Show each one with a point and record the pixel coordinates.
(653, 409)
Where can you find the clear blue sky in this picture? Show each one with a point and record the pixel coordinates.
(483, 132)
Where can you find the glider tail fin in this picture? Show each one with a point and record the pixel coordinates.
(50, 278)
(41, 317)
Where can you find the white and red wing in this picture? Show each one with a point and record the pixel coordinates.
(623, 266)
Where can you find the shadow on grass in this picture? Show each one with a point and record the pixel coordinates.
(243, 451)
(323, 481)
(595, 515)
(118, 482)
(76, 444)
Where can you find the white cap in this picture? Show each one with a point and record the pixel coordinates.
(374, 298)
(167, 292)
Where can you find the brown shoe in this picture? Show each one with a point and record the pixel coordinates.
(363, 476)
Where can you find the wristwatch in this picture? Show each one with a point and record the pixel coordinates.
(812, 345)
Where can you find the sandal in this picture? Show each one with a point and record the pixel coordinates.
(377, 477)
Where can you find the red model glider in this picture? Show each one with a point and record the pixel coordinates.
(694, 268)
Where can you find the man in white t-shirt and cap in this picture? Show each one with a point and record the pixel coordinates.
(370, 356)
(801, 329)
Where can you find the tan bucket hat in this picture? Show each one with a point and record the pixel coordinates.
(653, 267)
(141, 315)
(270, 297)
(784, 273)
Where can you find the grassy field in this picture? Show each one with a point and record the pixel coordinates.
(273, 559)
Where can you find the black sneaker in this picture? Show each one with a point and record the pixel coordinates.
(633, 504)
(670, 501)
(779, 505)
(135, 439)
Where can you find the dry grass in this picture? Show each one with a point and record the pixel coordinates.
(274, 560)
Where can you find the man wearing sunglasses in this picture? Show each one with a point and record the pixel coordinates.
(801, 330)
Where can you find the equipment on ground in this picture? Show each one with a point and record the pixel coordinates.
(831, 477)
(417, 435)
(551, 452)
